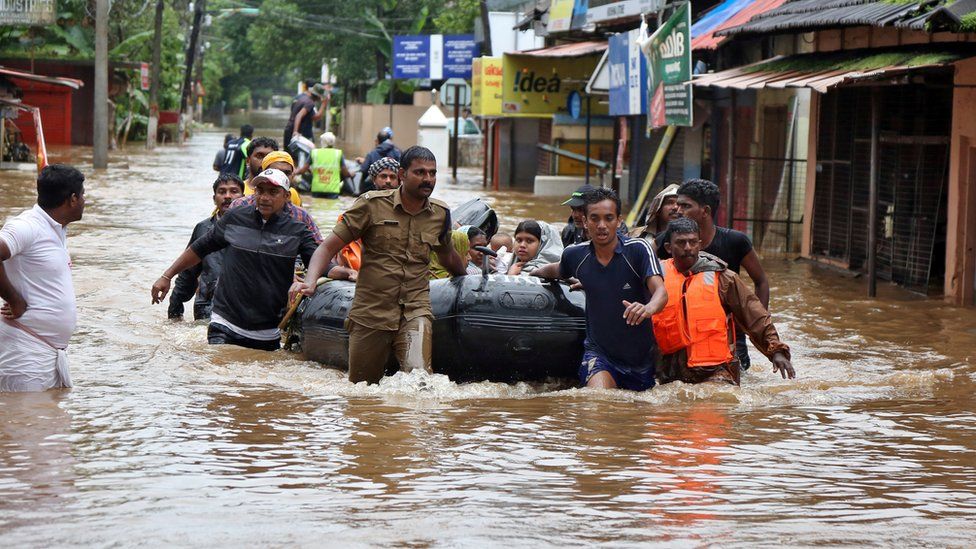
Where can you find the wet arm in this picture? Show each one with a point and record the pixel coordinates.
(550, 271)
(659, 294)
(751, 315)
(184, 287)
(7, 291)
(452, 262)
(318, 265)
(756, 272)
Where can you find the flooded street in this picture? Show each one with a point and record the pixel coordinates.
(168, 441)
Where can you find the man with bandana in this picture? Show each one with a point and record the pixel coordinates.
(384, 173)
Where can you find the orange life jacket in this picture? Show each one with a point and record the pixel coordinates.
(694, 318)
(352, 253)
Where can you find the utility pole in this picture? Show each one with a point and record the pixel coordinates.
(198, 83)
(191, 50)
(157, 47)
(100, 137)
(485, 28)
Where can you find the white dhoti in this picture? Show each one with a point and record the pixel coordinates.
(28, 363)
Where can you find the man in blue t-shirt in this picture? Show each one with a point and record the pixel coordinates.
(624, 287)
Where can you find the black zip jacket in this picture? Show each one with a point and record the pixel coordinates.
(259, 264)
(201, 279)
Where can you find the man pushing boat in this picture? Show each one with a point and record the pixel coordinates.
(399, 228)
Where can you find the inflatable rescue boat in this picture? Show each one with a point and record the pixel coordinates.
(495, 327)
(486, 327)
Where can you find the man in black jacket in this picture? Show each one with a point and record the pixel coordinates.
(262, 241)
(384, 149)
(202, 278)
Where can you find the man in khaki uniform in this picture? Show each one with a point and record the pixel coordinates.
(399, 229)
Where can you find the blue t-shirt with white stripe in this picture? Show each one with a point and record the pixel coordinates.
(606, 287)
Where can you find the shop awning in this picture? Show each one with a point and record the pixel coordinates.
(55, 80)
(738, 13)
(822, 72)
(575, 49)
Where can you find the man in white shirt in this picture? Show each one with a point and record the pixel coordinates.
(38, 314)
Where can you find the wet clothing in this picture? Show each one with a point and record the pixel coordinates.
(296, 212)
(259, 265)
(199, 280)
(301, 101)
(632, 379)
(383, 150)
(29, 363)
(219, 334)
(32, 348)
(731, 246)
(370, 349)
(744, 307)
(629, 349)
(326, 167)
(550, 249)
(392, 285)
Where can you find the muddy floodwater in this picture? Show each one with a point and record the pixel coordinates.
(167, 441)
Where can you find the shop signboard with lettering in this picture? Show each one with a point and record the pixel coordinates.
(540, 86)
(668, 53)
(28, 12)
(609, 10)
(628, 75)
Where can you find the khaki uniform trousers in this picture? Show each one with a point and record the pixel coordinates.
(369, 348)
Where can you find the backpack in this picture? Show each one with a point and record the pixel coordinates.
(235, 156)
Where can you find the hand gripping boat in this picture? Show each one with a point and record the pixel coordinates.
(486, 327)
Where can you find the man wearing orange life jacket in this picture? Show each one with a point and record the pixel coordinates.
(694, 332)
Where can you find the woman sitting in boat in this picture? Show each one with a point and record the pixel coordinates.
(476, 237)
(536, 244)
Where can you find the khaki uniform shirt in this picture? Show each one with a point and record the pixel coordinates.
(393, 281)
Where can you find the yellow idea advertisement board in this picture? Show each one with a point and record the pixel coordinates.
(541, 85)
(486, 86)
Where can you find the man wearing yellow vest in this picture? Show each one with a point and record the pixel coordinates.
(328, 168)
(695, 332)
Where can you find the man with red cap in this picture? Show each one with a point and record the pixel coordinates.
(262, 242)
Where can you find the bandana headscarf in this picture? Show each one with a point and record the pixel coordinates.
(276, 156)
(385, 163)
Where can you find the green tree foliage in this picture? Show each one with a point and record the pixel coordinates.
(458, 17)
(290, 39)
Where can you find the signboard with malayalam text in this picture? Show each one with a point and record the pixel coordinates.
(628, 75)
(28, 12)
(433, 56)
(668, 53)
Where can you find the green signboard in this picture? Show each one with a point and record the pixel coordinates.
(668, 53)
